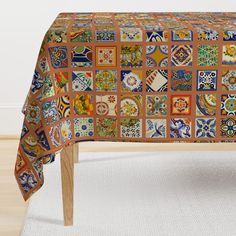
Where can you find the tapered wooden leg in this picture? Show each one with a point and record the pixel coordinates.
(76, 152)
(67, 179)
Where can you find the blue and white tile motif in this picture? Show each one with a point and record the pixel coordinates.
(180, 128)
(27, 180)
(205, 128)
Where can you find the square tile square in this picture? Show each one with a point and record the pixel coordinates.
(105, 36)
(229, 35)
(157, 55)
(47, 89)
(182, 35)
(106, 80)
(181, 80)
(84, 127)
(208, 35)
(228, 104)
(229, 80)
(131, 34)
(157, 36)
(181, 55)
(106, 105)
(82, 81)
(228, 127)
(81, 56)
(79, 34)
(83, 104)
(58, 56)
(63, 106)
(50, 114)
(131, 56)
(131, 128)
(61, 82)
(229, 54)
(105, 56)
(106, 127)
(131, 80)
(180, 128)
(205, 127)
(156, 105)
(207, 55)
(156, 128)
(207, 80)
(131, 105)
(181, 104)
(206, 104)
(156, 80)
(65, 128)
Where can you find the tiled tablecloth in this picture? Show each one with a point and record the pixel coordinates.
(145, 77)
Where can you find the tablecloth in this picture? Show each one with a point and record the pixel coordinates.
(142, 77)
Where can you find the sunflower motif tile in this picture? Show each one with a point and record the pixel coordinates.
(229, 54)
(181, 55)
(82, 56)
(156, 80)
(205, 127)
(207, 55)
(131, 56)
(228, 127)
(156, 105)
(131, 80)
(84, 127)
(106, 105)
(181, 104)
(156, 128)
(131, 105)
(181, 80)
(106, 80)
(157, 56)
(131, 128)
(206, 104)
(180, 128)
(207, 80)
(228, 104)
(82, 81)
(105, 56)
(229, 80)
(83, 104)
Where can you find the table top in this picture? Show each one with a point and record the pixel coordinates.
(142, 77)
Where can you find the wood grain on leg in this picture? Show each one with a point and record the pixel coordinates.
(76, 152)
(67, 179)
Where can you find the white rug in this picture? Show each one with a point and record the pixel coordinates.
(139, 194)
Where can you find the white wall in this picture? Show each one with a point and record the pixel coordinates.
(23, 24)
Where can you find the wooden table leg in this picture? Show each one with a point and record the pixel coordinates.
(67, 179)
(76, 152)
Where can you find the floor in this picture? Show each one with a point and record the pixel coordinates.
(12, 205)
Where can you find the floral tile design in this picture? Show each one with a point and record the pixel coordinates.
(131, 34)
(207, 80)
(131, 128)
(229, 80)
(180, 104)
(65, 128)
(106, 80)
(205, 127)
(229, 54)
(61, 82)
(181, 55)
(131, 56)
(59, 57)
(81, 34)
(131, 80)
(105, 36)
(82, 81)
(27, 180)
(84, 127)
(157, 56)
(228, 104)
(156, 105)
(131, 105)
(228, 127)
(105, 56)
(156, 128)
(106, 105)
(50, 112)
(208, 55)
(180, 128)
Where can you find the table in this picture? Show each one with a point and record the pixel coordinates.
(131, 77)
